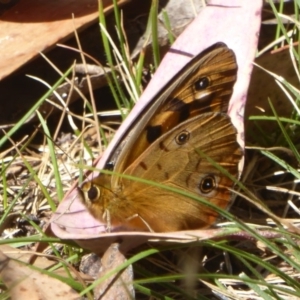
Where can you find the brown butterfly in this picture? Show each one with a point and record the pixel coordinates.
(186, 118)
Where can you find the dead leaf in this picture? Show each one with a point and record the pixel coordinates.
(32, 26)
(25, 283)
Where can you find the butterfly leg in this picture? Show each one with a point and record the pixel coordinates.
(106, 216)
(141, 219)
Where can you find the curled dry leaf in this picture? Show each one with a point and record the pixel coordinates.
(229, 24)
(99, 242)
(25, 283)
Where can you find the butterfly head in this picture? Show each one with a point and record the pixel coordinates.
(94, 194)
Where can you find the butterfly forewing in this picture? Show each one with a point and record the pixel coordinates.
(204, 85)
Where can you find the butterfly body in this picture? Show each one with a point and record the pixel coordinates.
(162, 166)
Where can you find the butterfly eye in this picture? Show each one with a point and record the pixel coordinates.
(93, 193)
(201, 84)
(207, 184)
(182, 137)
